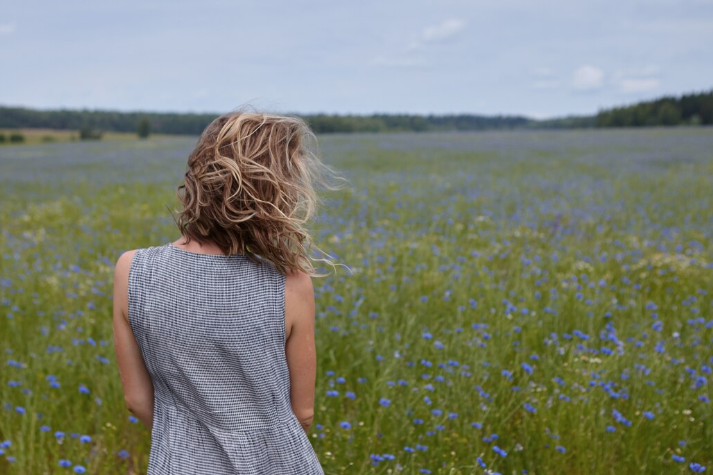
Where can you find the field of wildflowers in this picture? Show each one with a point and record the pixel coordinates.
(513, 302)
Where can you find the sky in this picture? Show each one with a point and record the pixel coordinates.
(538, 58)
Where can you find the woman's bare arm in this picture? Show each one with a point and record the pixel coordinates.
(300, 346)
(135, 378)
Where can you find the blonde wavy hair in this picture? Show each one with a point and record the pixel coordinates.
(250, 188)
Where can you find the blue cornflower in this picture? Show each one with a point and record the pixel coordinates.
(65, 463)
(133, 419)
(697, 467)
(85, 439)
(345, 425)
(620, 418)
(649, 415)
(79, 469)
(678, 458)
(384, 402)
(123, 454)
(480, 462)
(332, 393)
(499, 451)
(529, 407)
(561, 449)
(409, 449)
(83, 389)
(527, 368)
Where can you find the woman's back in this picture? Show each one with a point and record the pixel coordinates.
(211, 330)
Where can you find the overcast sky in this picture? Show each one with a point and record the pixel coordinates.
(540, 58)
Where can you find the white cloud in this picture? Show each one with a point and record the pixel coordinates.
(443, 30)
(633, 79)
(7, 28)
(587, 78)
(638, 71)
(413, 54)
(634, 85)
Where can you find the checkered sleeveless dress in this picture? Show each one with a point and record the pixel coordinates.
(211, 330)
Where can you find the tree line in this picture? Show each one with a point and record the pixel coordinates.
(193, 124)
(689, 109)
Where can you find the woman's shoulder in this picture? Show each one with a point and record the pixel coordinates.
(299, 290)
(130, 258)
(123, 263)
(299, 281)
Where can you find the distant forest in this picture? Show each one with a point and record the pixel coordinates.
(193, 124)
(690, 109)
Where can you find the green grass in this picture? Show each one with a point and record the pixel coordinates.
(468, 255)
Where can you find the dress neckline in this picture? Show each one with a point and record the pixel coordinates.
(219, 256)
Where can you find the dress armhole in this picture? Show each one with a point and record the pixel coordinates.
(134, 289)
(282, 282)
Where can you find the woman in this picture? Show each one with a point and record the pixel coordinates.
(214, 332)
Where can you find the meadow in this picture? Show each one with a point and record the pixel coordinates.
(513, 302)
(40, 136)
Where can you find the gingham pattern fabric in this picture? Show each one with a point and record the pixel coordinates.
(211, 330)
